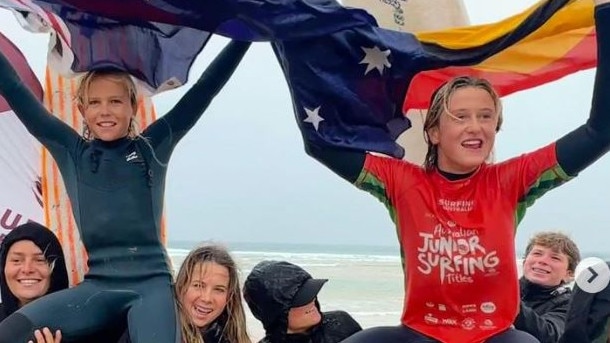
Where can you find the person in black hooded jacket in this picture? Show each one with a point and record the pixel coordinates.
(283, 296)
(549, 265)
(32, 252)
(588, 319)
(52, 277)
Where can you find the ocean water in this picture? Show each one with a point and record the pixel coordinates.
(366, 281)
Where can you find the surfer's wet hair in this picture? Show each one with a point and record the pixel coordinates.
(232, 318)
(439, 103)
(118, 76)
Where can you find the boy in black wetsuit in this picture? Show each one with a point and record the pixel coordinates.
(115, 180)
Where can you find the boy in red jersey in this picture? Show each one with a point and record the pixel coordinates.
(456, 217)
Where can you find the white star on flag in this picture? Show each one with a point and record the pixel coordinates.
(313, 117)
(375, 58)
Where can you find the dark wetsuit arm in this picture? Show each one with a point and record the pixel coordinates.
(48, 129)
(183, 116)
(346, 163)
(583, 146)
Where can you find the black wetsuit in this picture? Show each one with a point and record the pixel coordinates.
(213, 333)
(116, 191)
(575, 151)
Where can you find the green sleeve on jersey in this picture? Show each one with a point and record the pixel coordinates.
(375, 186)
(550, 179)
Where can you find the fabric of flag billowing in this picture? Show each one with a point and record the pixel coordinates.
(158, 54)
(564, 45)
(347, 76)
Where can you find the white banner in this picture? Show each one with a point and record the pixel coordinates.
(414, 15)
(20, 188)
(20, 195)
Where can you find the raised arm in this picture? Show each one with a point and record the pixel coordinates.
(48, 129)
(183, 116)
(346, 163)
(583, 146)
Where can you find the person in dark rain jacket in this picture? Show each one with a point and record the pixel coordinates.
(588, 318)
(549, 265)
(283, 296)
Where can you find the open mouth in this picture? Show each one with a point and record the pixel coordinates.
(29, 282)
(472, 143)
(106, 124)
(202, 311)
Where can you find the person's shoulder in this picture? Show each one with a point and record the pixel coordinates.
(338, 325)
(564, 293)
(338, 318)
(389, 161)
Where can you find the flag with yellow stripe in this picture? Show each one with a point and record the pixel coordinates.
(563, 45)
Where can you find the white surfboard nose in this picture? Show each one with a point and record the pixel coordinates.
(414, 15)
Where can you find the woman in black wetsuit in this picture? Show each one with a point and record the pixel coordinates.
(456, 217)
(115, 180)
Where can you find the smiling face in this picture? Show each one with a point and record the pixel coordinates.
(461, 125)
(27, 272)
(206, 295)
(107, 103)
(207, 289)
(546, 267)
(303, 318)
(466, 131)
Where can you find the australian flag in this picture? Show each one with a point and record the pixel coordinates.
(348, 77)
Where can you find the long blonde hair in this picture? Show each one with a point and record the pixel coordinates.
(121, 77)
(440, 103)
(234, 330)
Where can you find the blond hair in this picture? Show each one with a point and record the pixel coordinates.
(118, 76)
(234, 329)
(439, 104)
